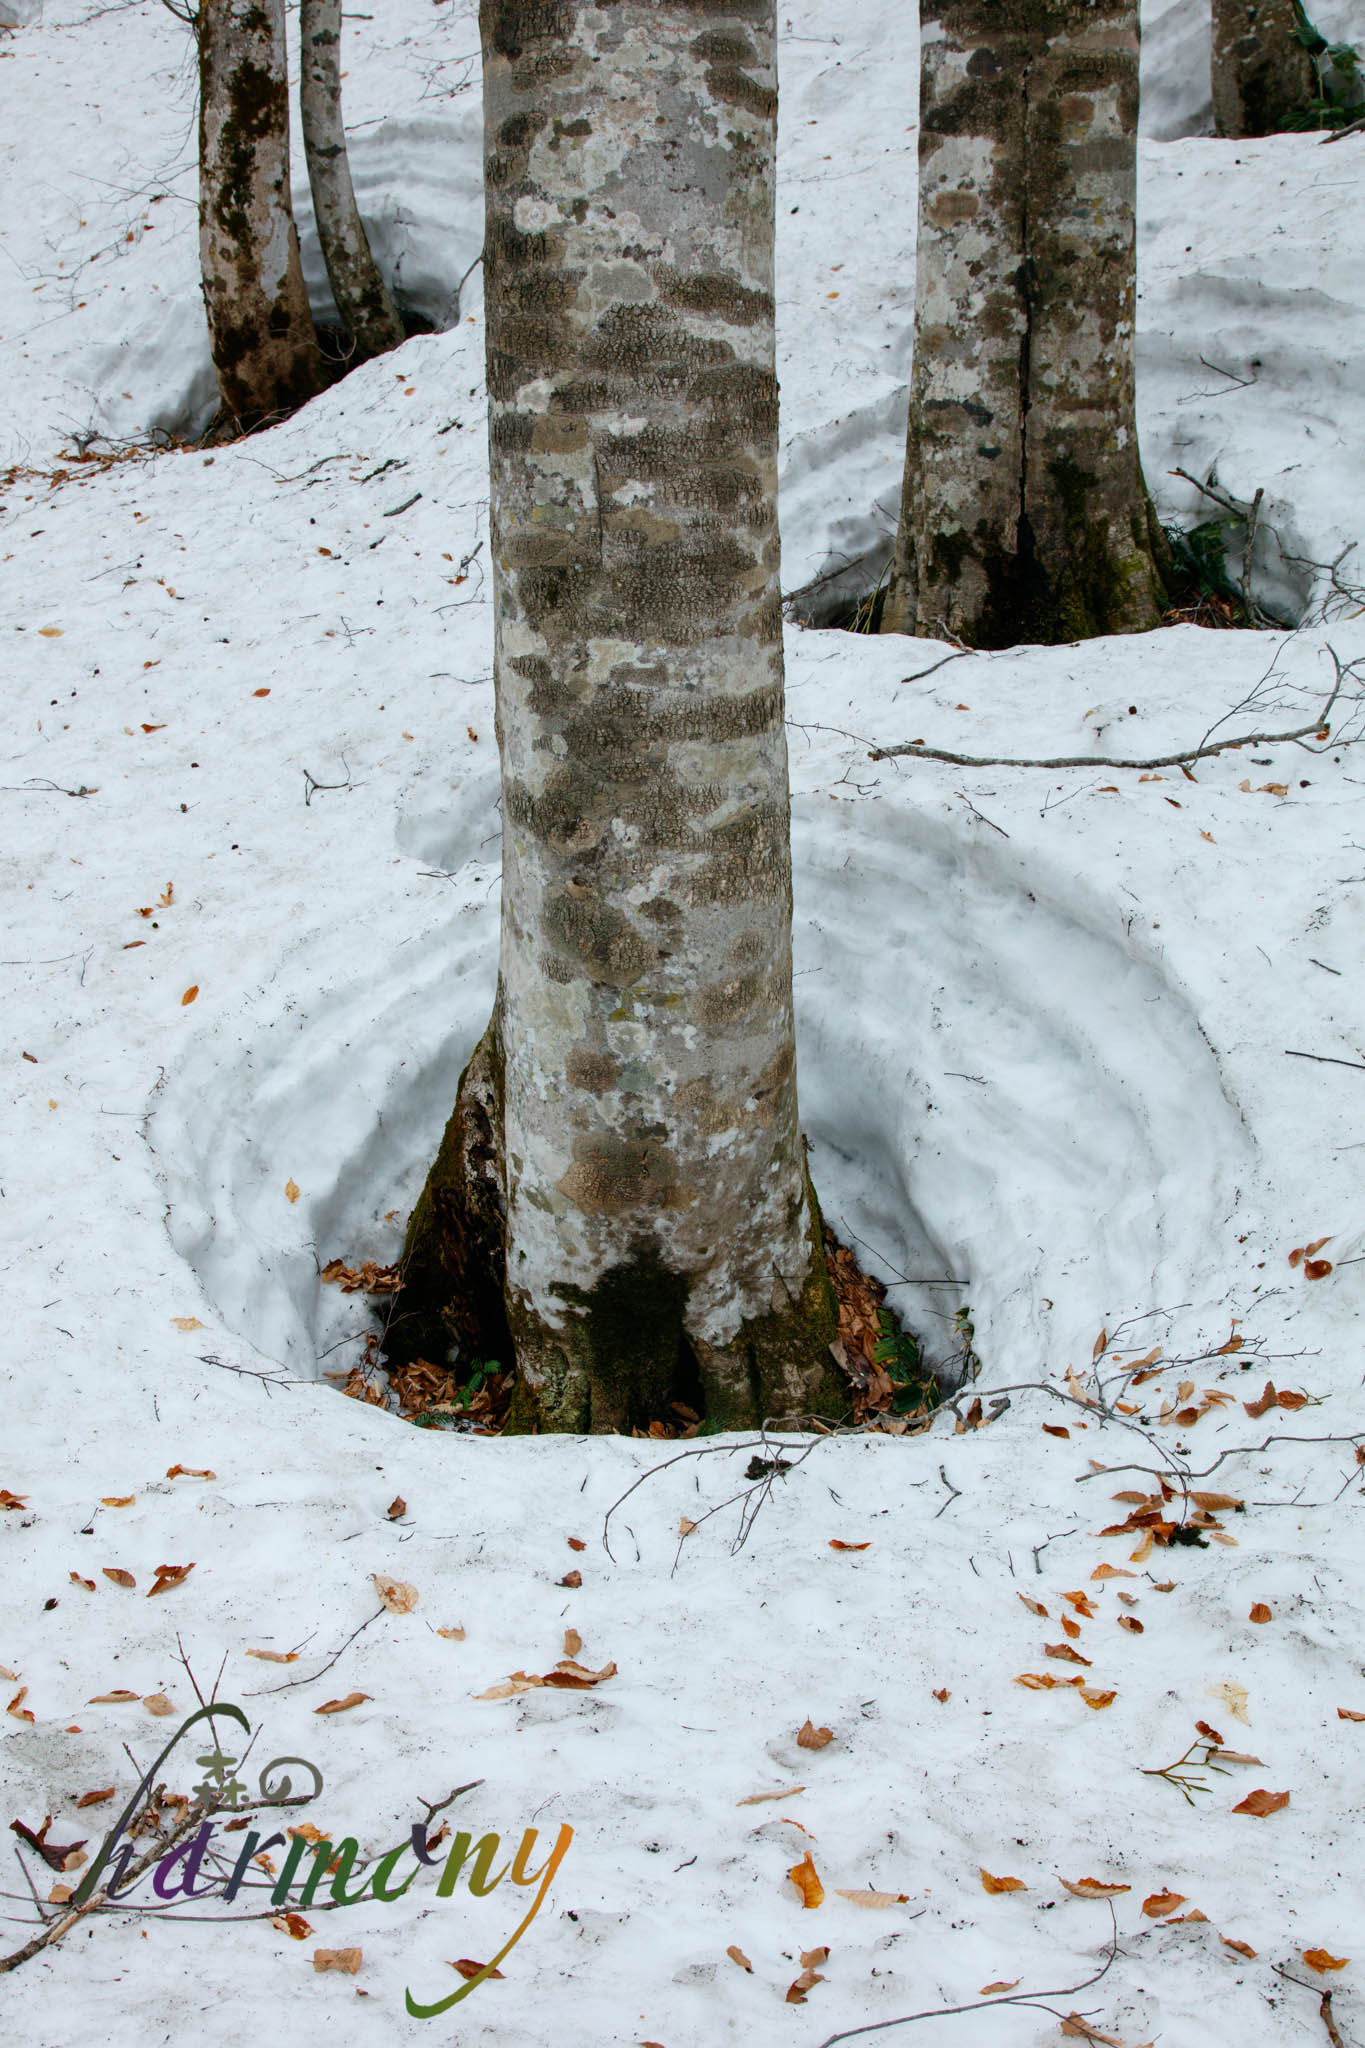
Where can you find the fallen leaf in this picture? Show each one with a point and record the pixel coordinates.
(835, 1544)
(1093, 1697)
(1043, 1681)
(275, 1656)
(1033, 1606)
(1073, 2024)
(1111, 1571)
(168, 1575)
(811, 1958)
(468, 1968)
(685, 1527)
(95, 1798)
(452, 1635)
(1071, 1629)
(1065, 1652)
(1213, 1502)
(573, 1580)
(292, 1924)
(189, 1472)
(577, 1543)
(117, 1574)
(1320, 1959)
(352, 1699)
(112, 1699)
(1101, 1343)
(262, 693)
(1349, 1714)
(61, 1895)
(51, 632)
(185, 1000)
(17, 1707)
(803, 1875)
(11, 1500)
(1001, 1984)
(1234, 1698)
(291, 1191)
(1242, 1948)
(1131, 1623)
(737, 1955)
(1158, 1904)
(1259, 1612)
(760, 1798)
(346, 1959)
(861, 1896)
(1315, 1269)
(397, 1595)
(1260, 1803)
(397, 1508)
(942, 1695)
(1094, 1888)
(1055, 1429)
(796, 1991)
(1001, 1884)
(117, 1500)
(808, 1736)
(157, 1703)
(187, 1322)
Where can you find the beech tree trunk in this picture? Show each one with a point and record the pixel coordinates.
(1262, 73)
(625, 1148)
(261, 331)
(362, 297)
(1024, 515)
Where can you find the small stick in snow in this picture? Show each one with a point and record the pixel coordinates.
(1324, 1059)
(954, 1492)
(291, 1682)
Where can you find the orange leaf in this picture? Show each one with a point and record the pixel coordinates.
(1241, 1947)
(1131, 1623)
(275, 1656)
(468, 1968)
(347, 1959)
(117, 1500)
(170, 1575)
(1094, 1888)
(1070, 1628)
(1158, 1904)
(1320, 1959)
(188, 997)
(111, 1699)
(1055, 1429)
(804, 1876)
(1033, 1606)
(396, 1594)
(292, 1924)
(577, 1543)
(1316, 1269)
(1096, 1699)
(352, 1699)
(1259, 1612)
(835, 1544)
(1260, 1803)
(189, 1472)
(157, 1703)
(1001, 1984)
(95, 1798)
(573, 1580)
(119, 1577)
(1349, 1714)
(1001, 1884)
(737, 1955)
(291, 1190)
(1065, 1652)
(808, 1736)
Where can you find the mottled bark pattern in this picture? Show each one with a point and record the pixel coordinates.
(661, 1236)
(362, 297)
(1024, 514)
(1262, 74)
(261, 331)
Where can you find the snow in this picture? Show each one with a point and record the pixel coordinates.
(1043, 1025)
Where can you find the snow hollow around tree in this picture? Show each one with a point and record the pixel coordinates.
(1043, 1021)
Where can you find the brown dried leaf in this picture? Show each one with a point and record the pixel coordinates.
(1094, 1888)
(1158, 1904)
(291, 1190)
(836, 1544)
(95, 1798)
(189, 1472)
(1322, 1959)
(1033, 1606)
(120, 1698)
(1260, 1803)
(1001, 1884)
(348, 1960)
(1131, 1623)
(396, 1594)
(275, 1656)
(861, 1896)
(158, 1704)
(1349, 1714)
(77, 1580)
(1001, 1984)
(1055, 1429)
(452, 1635)
(1242, 1948)
(168, 1575)
(468, 1968)
(761, 1798)
(808, 1736)
(1259, 1611)
(1065, 1652)
(573, 1580)
(117, 1574)
(806, 1879)
(1093, 1697)
(292, 1924)
(117, 1500)
(17, 1707)
(577, 1543)
(573, 1642)
(352, 1699)
(1081, 2030)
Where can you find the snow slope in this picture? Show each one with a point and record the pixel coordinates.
(1044, 1019)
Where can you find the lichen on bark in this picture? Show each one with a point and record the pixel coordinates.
(1024, 514)
(640, 1186)
(1262, 75)
(363, 300)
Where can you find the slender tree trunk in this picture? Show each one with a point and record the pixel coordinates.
(1024, 514)
(626, 1144)
(362, 297)
(1262, 73)
(264, 348)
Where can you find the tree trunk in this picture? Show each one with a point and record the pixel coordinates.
(1024, 514)
(362, 297)
(1262, 73)
(264, 349)
(625, 1148)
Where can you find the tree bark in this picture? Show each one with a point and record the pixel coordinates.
(362, 297)
(1024, 514)
(626, 1147)
(264, 348)
(1262, 73)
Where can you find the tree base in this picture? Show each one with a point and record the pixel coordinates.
(621, 1356)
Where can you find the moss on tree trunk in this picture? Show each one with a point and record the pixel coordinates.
(1262, 74)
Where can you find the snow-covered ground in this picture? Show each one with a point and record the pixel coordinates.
(284, 805)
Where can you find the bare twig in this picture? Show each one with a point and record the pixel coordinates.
(290, 1683)
(1324, 1059)
(1032, 1998)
